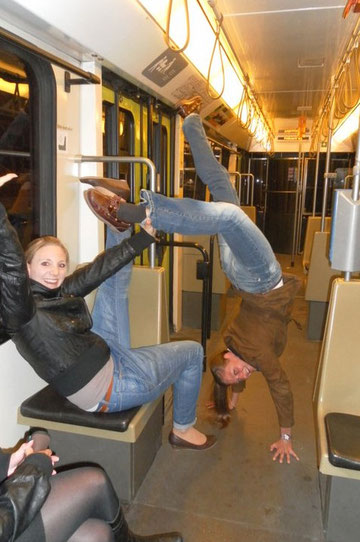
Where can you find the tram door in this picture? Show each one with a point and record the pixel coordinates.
(259, 167)
(281, 203)
(339, 165)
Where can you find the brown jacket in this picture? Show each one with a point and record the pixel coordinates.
(258, 335)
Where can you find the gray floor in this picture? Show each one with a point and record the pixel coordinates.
(235, 491)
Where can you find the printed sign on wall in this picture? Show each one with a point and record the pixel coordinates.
(165, 67)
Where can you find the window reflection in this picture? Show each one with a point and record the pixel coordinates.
(15, 155)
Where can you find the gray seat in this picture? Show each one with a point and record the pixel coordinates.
(343, 437)
(47, 404)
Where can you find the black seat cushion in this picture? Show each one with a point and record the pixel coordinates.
(343, 437)
(47, 404)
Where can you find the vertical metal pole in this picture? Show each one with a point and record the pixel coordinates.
(252, 180)
(267, 166)
(327, 162)
(240, 182)
(356, 182)
(305, 169)
(316, 177)
(296, 210)
(248, 186)
(356, 169)
(210, 279)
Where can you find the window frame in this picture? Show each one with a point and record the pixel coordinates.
(42, 93)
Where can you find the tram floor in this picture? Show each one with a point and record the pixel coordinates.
(234, 491)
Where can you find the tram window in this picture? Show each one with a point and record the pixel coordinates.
(193, 186)
(126, 146)
(341, 165)
(27, 141)
(161, 157)
(15, 144)
(118, 139)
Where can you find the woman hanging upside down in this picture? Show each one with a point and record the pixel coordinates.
(257, 336)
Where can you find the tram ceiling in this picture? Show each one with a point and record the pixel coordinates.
(288, 49)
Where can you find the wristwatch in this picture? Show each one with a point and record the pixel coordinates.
(285, 436)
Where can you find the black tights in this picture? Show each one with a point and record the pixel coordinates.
(79, 507)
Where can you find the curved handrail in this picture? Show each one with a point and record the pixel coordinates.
(167, 33)
(216, 42)
(129, 160)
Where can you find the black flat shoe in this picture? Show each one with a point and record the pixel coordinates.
(179, 443)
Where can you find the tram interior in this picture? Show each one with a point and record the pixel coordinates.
(280, 86)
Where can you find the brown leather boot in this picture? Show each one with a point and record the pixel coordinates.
(190, 105)
(118, 186)
(104, 204)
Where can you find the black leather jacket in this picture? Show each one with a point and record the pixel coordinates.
(51, 328)
(22, 494)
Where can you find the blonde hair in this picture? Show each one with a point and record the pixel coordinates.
(41, 242)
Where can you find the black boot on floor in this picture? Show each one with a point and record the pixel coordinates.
(122, 533)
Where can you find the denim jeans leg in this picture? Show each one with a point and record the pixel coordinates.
(246, 256)
(111, 312)
(207, 166)
(143, 374)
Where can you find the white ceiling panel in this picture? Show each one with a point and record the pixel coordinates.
(288, 48)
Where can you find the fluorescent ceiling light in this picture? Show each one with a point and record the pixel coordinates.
(199, 51)
(348, 126)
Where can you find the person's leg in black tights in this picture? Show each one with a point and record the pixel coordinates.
(93, 530)
(80, 507)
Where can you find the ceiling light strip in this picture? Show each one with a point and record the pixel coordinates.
(236, 80)
(345, 58)
(244, 78)
(271, 12)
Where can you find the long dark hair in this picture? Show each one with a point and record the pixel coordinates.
(220, 390)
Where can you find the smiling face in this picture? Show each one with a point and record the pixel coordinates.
(235, 369)
(48, 266)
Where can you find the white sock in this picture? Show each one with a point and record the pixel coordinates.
(279, 284)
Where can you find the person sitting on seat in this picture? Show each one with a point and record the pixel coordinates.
(256, 337)
(78, 505)
(44, 312)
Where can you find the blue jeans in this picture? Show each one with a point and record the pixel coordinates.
(246, 256)
(143, 374)
(110, 314)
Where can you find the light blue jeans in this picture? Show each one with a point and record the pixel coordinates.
(246, 256)
(111, 308)
(143, 374)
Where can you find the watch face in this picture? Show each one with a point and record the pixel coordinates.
(285, 436)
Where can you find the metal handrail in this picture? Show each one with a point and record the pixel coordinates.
(252, 182)
(347, 180)
(18, 154)
(211, 274)
(327, 176)
(129, 160)
(327, 173)
(206, 291)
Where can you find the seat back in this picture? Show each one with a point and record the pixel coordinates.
(313, 225)
(320, 273)
(338, 376)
